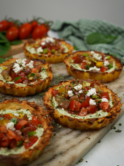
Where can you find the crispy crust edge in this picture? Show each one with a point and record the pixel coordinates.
(31, 154)
(102, 77)
(50, 59)
(83, 124)
(31, 89)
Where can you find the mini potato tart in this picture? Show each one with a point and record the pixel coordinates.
(82, 104)
(52, 50)
(93, 65)
(25, 130)
(22, 77)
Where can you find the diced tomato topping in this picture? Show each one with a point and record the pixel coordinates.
(91, 109)
(7, 116)
(74, 57)
(12, 144)
(103, 69)
(86, 102)
(104, 106)
(4, 142)
(105, 95)
(3, 128)
(35, 121)
(1, 135)
(54, 92)
(75, 105)
(83, 65)
(11, 134)
(21, 124)
(30, 141)
(92, 84)
(77, 60)
(83, 112)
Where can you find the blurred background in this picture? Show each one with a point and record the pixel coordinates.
(109, 10)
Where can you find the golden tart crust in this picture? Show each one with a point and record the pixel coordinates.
(52, 58)
(95, 75)
(31, 154)
(29, 89)
(83, 124)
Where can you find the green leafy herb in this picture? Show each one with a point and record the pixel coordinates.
(52, 50)
(31, 133)
(108, 57)
(16, 42)
(3, 38)
(87, 67)
(20, 143)
(45, 51)
(118, 131)
(14, 120)
(75, 48)
(97, 37)
(95, 97)
(4, 48)
(40, 125)
(110, 66)
(85, 54)
(2, 60)
(17, 78)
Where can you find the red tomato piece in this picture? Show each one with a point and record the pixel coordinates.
(25, 31)
(3, 128)
(4, 25)
(12, 144)
(39, 32)
(12, 33)
(7, 116)
(34, 24)
(103, 69)
(86, 102)
(21, 124)
(11, 134)
(83, 112)
(105, 95)
(91, 109)
(75, 105)
(54, 92)
(4, 142)
(77, 60)
(35, 121)
(83, 65)
(1, 135)
(30, 141)
(104, 106)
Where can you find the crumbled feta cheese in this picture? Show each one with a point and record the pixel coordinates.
(96, 55)
(48, 40)
(39, 50)
(19, 61)
(104, 100)
(16, 114)
(91, 92)
(10, 126)
(80, 91)
(106, 63)
(43, 43)
(30, 64)
(70, 93)
(17, 68)
(92, 102)
(92, 52)
(32, 51)
(94, 68)
(24, 62)
(78, 87)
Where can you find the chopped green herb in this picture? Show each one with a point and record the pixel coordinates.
(52, 50)
(120, 124)
(45, 51)
(94, 97)
(118, 131)
(31, 133)
(19, 143)
(114, 127)
(14, 120)
(17, 78)
(87, 67)
(80, 161)
(110, 66)
(108, 57)
(85, 54)
(99, 141)
(40, 125)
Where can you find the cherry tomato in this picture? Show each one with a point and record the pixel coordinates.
(39, 32)
(1, 135)
(7, 116)
(91, 109)
(86, 102)
(83, 112)
(77, 60)
(83, 65)
(20, 124)
(4, 25)
(12, 33)
(105, 95)
(74, 105)
(11, 24)
(30, 141)
(104, 106)
(34, 24)
(4, 142)
(25, 31)
(103, 69)
(35, 121)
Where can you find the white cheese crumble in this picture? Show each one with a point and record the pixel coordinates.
(91, 92)
(78, 87)
(39, 50)
(30, 64)
(106, 63)
(104, 100)
(94, 68)
(80, 91)
(32, 51)
(70, 93)
(96, 56)
(48, 40)
(92, 102)
(10, 126)
(43, 43)
(17, 68)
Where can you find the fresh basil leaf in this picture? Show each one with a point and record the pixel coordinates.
(16, 42)
(17, 78)
(96, 38)
(110, 66)
(87, 67)
(4, 48)
(2, 60)
(14, 120)
(31, 133)
(3, 38)
(75, 48)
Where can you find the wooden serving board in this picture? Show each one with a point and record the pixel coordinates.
(68, 146)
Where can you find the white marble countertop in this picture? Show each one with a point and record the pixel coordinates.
(110, 151)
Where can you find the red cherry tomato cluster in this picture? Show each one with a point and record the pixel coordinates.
(32, 29)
